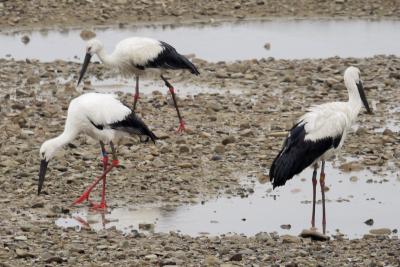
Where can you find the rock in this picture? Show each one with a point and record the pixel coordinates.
(290, 239)
(247, 133)
(48, 258)
(185, 165)
(263, 178)
(314, 235)
(146, 226)
(151, 257)
(87, 35)
(369, 222)
(351, 166)
(303, 81)
(353, 179)
(216, 157)
(236, 257)
(219, 149)
(184, 149)
(267, 46)
(215, 106)
(24, 254)
(211, 260)
(25, 39)
(388, 132)
(286, 226)
(228, 140)
(380, 231)
(20, 238)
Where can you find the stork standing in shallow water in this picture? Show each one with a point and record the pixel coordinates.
(102, 117)
(317, 135)
(132, 56)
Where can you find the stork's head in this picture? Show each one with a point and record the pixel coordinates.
(93, 46)
(351, 76)
(47, 152)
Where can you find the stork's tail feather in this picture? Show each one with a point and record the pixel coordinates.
(282, 170)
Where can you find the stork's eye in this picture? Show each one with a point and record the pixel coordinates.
(42, 154)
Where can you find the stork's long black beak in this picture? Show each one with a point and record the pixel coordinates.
(42, 174)
(363, 97)
(86, 62)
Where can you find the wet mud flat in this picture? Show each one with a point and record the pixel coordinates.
(232, 138)
(14, 14)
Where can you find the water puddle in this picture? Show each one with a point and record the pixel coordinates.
(353, 198)
(149, 86)
(290, 39)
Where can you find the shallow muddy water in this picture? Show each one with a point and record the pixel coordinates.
(350, 202)
(288, 39)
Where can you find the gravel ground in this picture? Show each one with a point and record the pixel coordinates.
(80, 13)
(229, 135)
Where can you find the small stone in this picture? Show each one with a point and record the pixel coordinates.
(267, 46)
(25, 39)
(185, 165)
(236, 257)
(184, 149)
(286, 226)
(228, 140)
(351, 166)
(380, 231)
(314, 235)
(211, 260)
(146, 226)
(20, 238)
(87, 35)
(216, 157)
(369, 222)
(353, 179)
(290, 239)
(219, 149)
(151, 257)
(52, 258)
(24, 254)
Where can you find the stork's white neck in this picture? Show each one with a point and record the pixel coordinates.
(105, 58)
(53, 145)
(355, 103)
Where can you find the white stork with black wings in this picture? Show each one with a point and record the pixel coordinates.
(104, 118)
(317, 135)
(134, 56)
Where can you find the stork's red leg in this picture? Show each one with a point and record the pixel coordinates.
(314, 183)
(85, 195)
(181, 127)
(136, 95)
(114, 163)
(322, 183)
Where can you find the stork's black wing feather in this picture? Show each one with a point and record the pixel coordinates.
(297, 154)
(169, 58)
(134, 125)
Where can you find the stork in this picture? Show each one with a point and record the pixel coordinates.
(104, 118)
(317, 136)
(134, 56)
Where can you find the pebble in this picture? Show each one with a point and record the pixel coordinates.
(314, 235)
(236, 257)
(228, 140)
(380, 231)
(290, 239)
(369, 222)
(24, 254)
